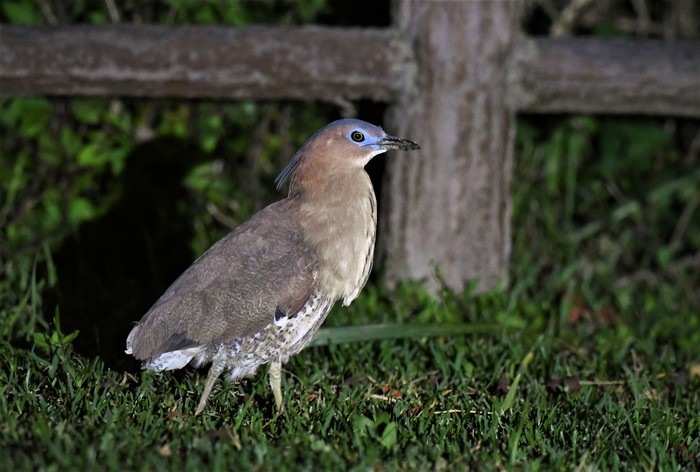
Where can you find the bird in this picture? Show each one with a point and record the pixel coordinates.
(260, 294)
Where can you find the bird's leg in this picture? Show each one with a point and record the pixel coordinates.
(276, 383)
(217, 368)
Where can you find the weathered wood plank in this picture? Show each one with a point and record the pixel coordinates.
(307, 63)
(570, 75)
(595, 75)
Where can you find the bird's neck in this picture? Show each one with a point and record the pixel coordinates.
(338, 214)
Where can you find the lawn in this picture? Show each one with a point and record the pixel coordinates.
(589, 358)
(533, 393)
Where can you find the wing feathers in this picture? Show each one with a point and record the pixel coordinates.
(234, 289)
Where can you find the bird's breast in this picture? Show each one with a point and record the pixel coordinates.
(341, 228)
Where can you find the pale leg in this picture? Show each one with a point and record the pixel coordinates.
(217, 368)
(276, 383)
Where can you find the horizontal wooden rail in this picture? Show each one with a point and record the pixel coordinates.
(331, 64)
(595, 75)
(570, 75)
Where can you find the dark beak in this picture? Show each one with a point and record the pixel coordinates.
(391, 142)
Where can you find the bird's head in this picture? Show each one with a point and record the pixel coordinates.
(342, 144)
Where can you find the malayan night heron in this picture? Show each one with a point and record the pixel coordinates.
(259, 295)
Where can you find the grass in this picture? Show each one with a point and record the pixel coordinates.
(577, 365)
(590, 395)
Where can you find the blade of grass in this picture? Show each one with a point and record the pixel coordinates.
(510, 396)
(349, 334)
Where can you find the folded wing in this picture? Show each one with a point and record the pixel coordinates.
(233, 290)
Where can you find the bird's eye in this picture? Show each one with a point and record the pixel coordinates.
(357, 136)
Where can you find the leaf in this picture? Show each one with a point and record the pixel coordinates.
(362, 425)
(511, 319)
(70, 141)
(81, 209)
(389, 436)
(35, 114)
(21, 13)
(90, 156)
(70, 337)
(87, 111)
(41, 340)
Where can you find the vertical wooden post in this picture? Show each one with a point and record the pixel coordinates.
(449, 205)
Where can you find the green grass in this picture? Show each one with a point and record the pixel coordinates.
(580, 363)
(591, 395)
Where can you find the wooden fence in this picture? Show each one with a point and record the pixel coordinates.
(455, 75)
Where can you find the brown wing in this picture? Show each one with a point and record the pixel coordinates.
(235, 288)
